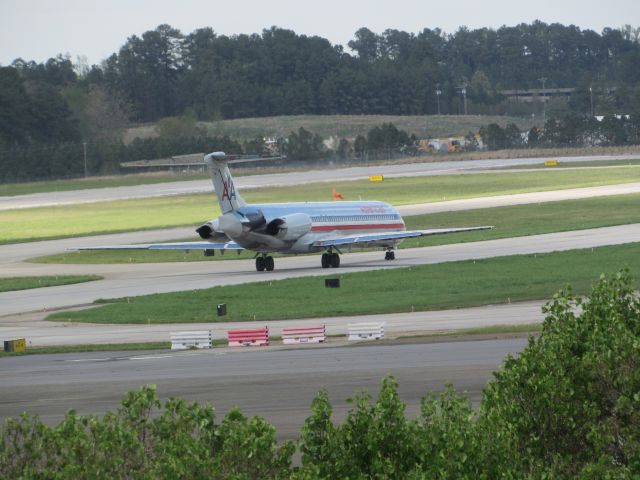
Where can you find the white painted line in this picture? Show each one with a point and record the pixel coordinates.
(77, 360)
(154, 357)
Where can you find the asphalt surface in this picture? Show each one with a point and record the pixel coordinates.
(293, 178)
(18, 252)
(39, 332)
(140, 279)
(278, 384)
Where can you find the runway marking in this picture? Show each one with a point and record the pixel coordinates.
(154, 357)
(88, 360)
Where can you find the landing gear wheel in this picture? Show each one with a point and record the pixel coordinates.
(260, 264)
(390, 255)
(334, 260)
(269, 263)
(324, 261)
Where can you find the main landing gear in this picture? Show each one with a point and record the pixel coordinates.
(389, 255)
(330, 259)
(264, 262)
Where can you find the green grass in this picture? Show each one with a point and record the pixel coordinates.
(488, 330)
(428, 287)
(10, 284)
(513, 221)
(12, 189)
(109, 217)
(586, 164)
(106, 347)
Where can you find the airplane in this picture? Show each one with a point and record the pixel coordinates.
(293, 228)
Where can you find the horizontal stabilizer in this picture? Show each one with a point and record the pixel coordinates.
(170, 246)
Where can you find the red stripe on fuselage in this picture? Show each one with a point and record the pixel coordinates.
(369, 226)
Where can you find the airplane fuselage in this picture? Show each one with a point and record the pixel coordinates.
(294, 227)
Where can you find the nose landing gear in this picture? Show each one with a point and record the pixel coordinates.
(264, 262)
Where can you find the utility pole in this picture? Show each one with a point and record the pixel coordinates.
(464, 95)
(463, 91)
(438, 93)
(543, 80)
(84, 147)
(591, 99)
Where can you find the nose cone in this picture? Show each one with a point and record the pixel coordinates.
(230, 224)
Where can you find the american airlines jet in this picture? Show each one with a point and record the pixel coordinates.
(293, 228)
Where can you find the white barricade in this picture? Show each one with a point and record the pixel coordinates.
(294, 335)
(187, 340)
(365, 331)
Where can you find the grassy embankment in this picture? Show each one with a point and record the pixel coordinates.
(11, 284)
(427, 287)
(95, 347)
(347, 126)
(513, 221)
(109, 217)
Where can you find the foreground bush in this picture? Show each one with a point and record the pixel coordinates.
(569, 404)
(182, 442)
(567, 407)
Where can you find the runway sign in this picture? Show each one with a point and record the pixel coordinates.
(551, 163)
(19, 345)
(376, 178)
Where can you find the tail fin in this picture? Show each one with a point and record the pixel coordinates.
(228, 198)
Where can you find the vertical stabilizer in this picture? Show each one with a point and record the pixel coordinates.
(228, 197)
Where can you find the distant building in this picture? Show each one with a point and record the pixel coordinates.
(538, 94)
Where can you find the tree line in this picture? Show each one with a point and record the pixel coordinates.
(164, 73)
(42, 161)
(569, 131)
(568, 406)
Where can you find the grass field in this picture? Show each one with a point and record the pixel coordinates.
(601, 164)
(12, 189)
(11, 284)
(108, 217)
(98, 347)
(348, 126)
(514, 221)
(428, 287)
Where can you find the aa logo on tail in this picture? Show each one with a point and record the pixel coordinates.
(228, 190)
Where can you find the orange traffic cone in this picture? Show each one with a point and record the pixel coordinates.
(336, 195)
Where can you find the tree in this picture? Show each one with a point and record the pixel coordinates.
(568, 406)
(493, 136)
(304, 145)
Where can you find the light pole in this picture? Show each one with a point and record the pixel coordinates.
(438, 93)
(464, 95)
(591, 99)
(543, 80)
(84, 148)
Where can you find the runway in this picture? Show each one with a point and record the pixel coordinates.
(276, 179)
(18, 252)
(278, 384)
(124, 280)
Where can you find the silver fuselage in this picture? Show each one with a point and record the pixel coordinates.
(328, 220)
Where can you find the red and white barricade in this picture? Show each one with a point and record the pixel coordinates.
(293, 335)
(254, 337)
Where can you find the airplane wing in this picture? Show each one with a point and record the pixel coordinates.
(363, 240)
(170, 246)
